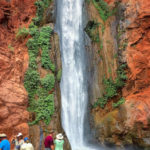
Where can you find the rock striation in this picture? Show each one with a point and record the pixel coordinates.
(13, 64)
(128, 33)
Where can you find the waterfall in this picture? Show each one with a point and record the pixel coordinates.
(74, 96)
(74, 81)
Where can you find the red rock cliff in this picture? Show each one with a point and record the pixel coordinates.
(137, 91)
(13, 64)
(129, 123)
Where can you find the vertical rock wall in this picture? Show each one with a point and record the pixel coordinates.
(127, 35)
(102, 60)
(14, 60)
(13, 64)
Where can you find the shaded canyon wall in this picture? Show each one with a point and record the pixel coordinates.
(125, 39)
(14, 62)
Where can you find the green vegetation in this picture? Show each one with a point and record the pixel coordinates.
(48, 82)
(121, 101)
(44, 108)
(11, 47)
(101, 44)
(44, 43)
(22, 33)
(33, 30)
(102, 28)
(115, 56)
(32, 80)
(121, 76)
(32, 62)
(112, 87)
(41, 5)
(92, 30)
(102, 101)
(40, 90)
(33, 47)
(103, 9)
(41, 39)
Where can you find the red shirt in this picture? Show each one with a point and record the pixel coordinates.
(48, 142)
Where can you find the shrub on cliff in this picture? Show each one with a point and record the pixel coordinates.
(31, 80)
(44, 109)
(121, 76)
(44, 43)
(48, 82)
(41, 5)
(92, 30)
(22, 33)
(32, 61)
(103, 8)
(121, 101)
(33, 46)
(41, 102)
(112, 87)
(33, 30)
(46, 62)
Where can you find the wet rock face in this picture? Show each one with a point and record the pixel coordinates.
(133, 125)
(50, 15)
(13, 64)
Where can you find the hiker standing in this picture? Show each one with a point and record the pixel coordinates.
(59, 142)
(26, 145)
(48, 142)
(18, 141)
(4, 143)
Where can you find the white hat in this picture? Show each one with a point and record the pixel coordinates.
(3, 135)
(59, 136)
(19, 134)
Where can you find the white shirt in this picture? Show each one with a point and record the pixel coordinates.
(17, 143)
(27, 146)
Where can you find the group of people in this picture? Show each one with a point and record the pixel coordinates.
(56, 144)
(18, 141)
(24, 144)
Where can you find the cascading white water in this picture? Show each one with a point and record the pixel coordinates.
(73, 91)
(73, 84)
(74, 96)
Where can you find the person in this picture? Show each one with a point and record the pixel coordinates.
(59, 142)
(26, 145)
(48, 142)
(4, 143)
(18, 141)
